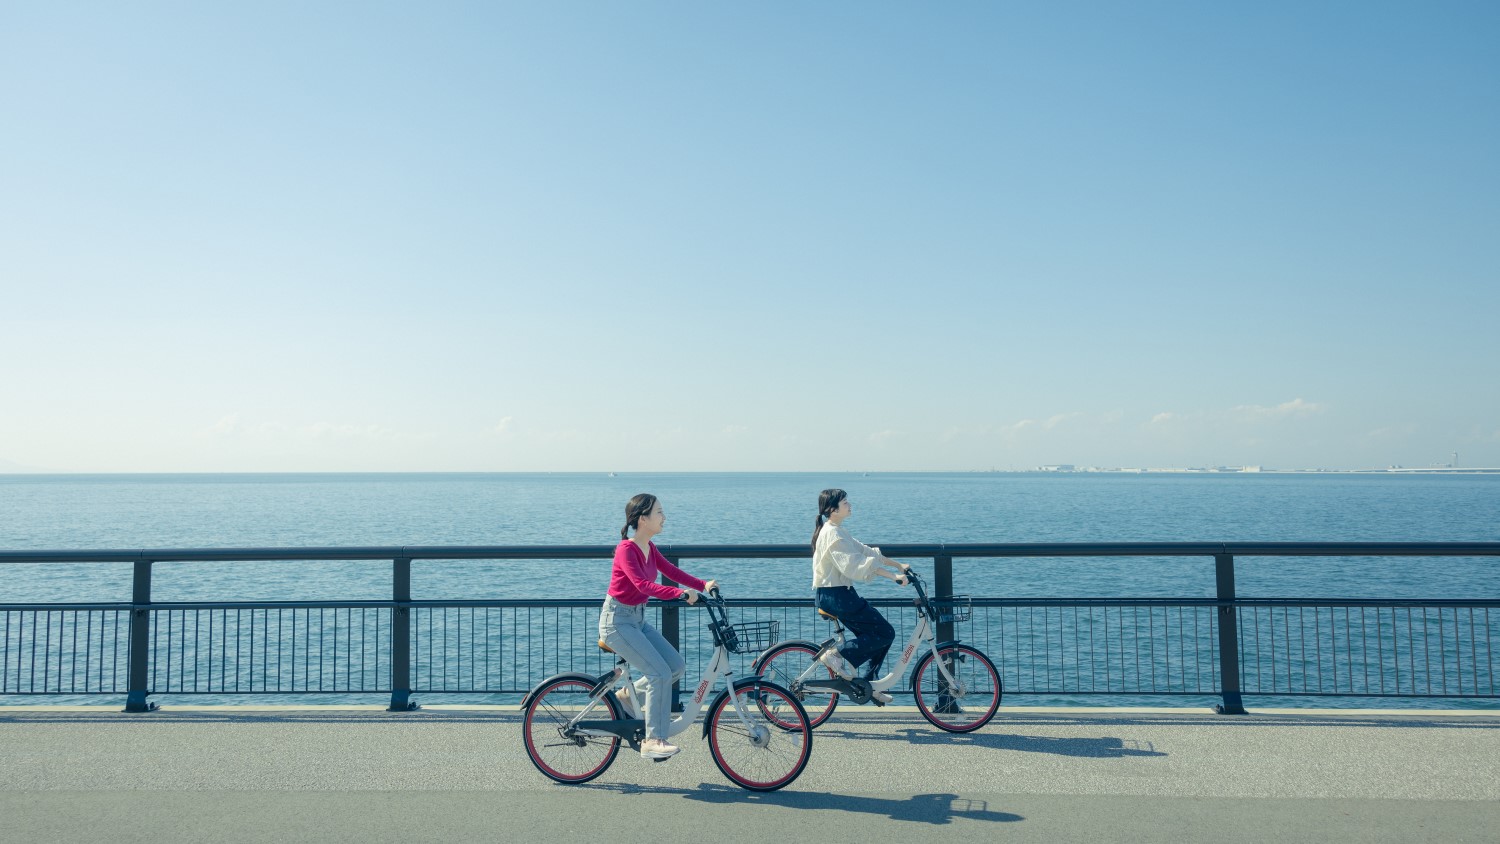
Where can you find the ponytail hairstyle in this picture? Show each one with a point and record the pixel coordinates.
(828, 501)
(639, 506)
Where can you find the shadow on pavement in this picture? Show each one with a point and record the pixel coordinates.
(1103, 747)
(935, 809)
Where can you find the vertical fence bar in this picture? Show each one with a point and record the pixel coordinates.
(401, 637)
(671, 630)
(1229, 645)
(140, 639)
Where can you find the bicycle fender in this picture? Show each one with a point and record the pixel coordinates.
(570, 675)
(912, 682)
(760, 660)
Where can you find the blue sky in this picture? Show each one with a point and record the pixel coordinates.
(670, 236)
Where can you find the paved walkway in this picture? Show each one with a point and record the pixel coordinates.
(451, 774)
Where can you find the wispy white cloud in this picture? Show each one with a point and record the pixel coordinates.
(1390, 432)
(883, 436)
(503, 427)
(1014, 429)
(1051, 423)
(226, 425)
(1295, 407)
(1241, 414)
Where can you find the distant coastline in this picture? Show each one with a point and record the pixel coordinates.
(1065, 468)
(1062, 469)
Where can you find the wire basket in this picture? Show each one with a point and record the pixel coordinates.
(957, 608)
(751, 637)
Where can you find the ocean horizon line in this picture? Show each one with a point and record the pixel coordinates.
(1043, 471)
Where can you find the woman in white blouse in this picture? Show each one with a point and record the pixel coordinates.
(840, 560)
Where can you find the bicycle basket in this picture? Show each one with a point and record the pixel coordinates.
(750, 637)
(957, 608)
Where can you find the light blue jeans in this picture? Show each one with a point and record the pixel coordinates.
(624, 628)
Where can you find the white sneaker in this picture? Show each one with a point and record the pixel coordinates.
(658, 749)
(623, 696)
(880, 698)
(836, 663)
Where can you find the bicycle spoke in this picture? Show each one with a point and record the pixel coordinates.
(790, 661)
(767, 758)
(965, 704)
(566, 761)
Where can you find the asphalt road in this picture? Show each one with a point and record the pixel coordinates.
(441, 774)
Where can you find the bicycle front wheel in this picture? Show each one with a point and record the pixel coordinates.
(567, 758)
(784, 663)
(969, 706)
(769, 746)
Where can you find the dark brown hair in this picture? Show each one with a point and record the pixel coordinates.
(828, 501)
(639, 506)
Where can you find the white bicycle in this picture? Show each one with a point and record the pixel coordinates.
(956, 686)
(757, 731)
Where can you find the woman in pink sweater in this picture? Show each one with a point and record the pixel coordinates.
(622, 623)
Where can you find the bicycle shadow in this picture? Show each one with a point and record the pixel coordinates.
(934, 809)
(1102, 747)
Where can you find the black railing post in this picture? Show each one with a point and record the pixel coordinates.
(1229, 637)
(942, 590)
(671, 630)
(401, 637)
(140, 640)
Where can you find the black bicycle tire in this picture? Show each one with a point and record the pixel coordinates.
(531, 752)
(920, 700)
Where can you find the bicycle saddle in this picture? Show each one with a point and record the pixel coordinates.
(605, 648)
(828, 616)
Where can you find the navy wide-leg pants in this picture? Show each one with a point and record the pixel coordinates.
(872, 633)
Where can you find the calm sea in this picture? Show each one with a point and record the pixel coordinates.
(195, 511)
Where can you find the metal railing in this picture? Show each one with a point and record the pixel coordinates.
(1223, 646)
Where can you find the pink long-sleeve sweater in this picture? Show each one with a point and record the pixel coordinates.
(633, 580)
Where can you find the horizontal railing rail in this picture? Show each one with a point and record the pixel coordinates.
(1224, 646)
(761, 552)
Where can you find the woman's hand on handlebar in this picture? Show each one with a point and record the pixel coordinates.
(692, 596)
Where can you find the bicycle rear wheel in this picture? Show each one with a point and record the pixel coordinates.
(784, 663)
(567, 759)
(769, 748)
(966, 708)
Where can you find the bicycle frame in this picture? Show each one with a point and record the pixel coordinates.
(633, 729)
(923, 632)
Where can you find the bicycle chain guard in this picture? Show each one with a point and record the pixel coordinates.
(857, 690)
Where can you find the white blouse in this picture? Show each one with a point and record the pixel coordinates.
(839, 559)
